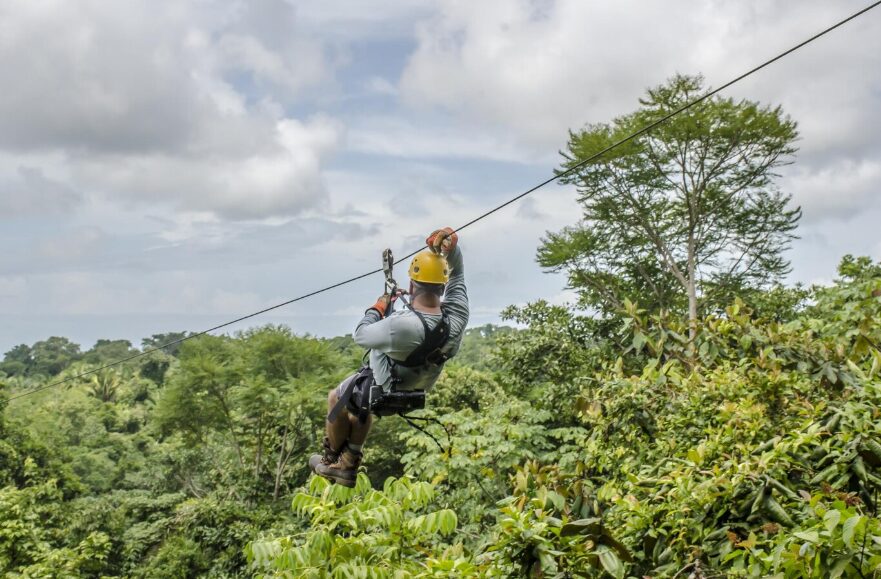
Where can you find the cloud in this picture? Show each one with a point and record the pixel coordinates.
(836, 189)
(129, 75)
(424, 139)
(538, 69)
(29, 192)
(541, 68)
(72, 245)
(359, 21)
(281, 177)
(381, 86)
(210, 157)
(528, 209)
(12, 287)
(180, 103)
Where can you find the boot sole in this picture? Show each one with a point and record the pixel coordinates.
(346, 482)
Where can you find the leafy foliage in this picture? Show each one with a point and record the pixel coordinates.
(362, 532)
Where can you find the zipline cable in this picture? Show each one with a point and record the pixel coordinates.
(556, 176)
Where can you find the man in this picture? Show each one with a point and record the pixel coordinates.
(407, 351)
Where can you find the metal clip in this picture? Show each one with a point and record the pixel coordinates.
(388, 263)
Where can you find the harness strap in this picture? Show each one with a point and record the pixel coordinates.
(349, 389)
(432, 341)
(366, 396)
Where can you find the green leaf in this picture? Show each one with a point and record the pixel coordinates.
(591, 527)
(557, 500)
(638, 341)
(809, 536)
(831, 519)
(619, 547)
(610, 561)
(838, 567)
(849, 528)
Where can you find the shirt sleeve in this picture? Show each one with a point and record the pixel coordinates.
(456, 294)
(373, 332)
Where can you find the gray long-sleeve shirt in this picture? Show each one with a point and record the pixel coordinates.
(396, 336)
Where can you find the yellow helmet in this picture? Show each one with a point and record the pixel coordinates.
(429, 267)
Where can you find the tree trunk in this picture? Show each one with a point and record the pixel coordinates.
(282, 462)
(258, 459)
(231, 427)
(692, 299)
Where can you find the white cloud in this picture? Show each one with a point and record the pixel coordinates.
(71, 246)
(28, 191)
(836, 189)
(541, 68)
(178, 103)
(165, 161)
(381, 86)
(248, 54)
(12, 287)
(281, 177)
(529, 208)
(356, 20)
(424, 139)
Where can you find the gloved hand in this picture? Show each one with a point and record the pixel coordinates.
(382, 304)
(442, 240)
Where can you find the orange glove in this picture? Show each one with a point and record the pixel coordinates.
(382, 304)
(442, 240)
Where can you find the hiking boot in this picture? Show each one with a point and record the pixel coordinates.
(329, 457)
(344, 471)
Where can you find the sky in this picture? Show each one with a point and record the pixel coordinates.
(169, 166)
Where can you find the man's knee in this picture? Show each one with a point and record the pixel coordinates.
(333, 397)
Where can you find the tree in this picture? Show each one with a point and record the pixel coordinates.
(683, 216)
(107, 351)
(155, 365)
(104, 384)
(17, 360)
(53, 355)
(158, 340)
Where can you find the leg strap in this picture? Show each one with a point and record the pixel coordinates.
(344, 398)
(361, 381)
(366, 393)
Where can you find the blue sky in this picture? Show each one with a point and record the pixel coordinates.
(170, 166)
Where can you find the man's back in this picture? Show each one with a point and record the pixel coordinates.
(392, 339)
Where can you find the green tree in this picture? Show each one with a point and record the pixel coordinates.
(156, 365)
(17, 361)
(684, 216)
(53, 355)
(157, 340)
(478, 343)
(106, 351)
(104, 384)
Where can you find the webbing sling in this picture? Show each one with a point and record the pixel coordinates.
(364, 377)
